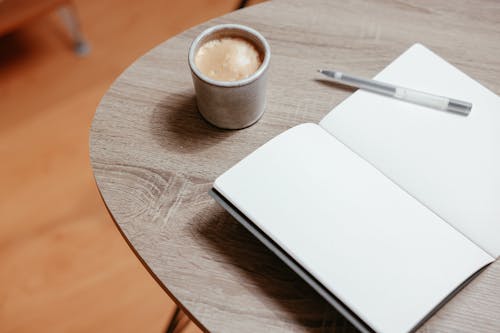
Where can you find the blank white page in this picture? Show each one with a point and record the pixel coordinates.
(449, 162)
(377, 249)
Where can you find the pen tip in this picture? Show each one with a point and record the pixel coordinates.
(320, 71)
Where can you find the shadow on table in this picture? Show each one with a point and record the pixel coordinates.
(264, 270)
(335, 85)
(177, 125)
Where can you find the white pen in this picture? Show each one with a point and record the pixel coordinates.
(404, 94)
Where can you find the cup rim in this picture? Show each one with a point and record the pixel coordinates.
(229, 84)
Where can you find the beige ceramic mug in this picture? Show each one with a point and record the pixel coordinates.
(231, 104)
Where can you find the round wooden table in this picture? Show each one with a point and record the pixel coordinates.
(154, 158)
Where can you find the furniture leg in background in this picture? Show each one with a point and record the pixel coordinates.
(16, 13)
(69, 16)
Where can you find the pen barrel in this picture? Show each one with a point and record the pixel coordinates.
(404, 94)
(370, 85)
(421, 98)
(433, 101)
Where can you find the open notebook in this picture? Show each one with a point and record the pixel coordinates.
(386, 208)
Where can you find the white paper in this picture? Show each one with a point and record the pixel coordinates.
(449, 162)
(381, 252)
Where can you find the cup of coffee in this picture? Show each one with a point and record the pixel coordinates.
(229, 65)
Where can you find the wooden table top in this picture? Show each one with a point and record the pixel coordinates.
(154, 158)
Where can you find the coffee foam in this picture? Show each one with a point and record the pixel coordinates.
(228, 59)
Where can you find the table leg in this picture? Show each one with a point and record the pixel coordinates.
(242, 4)
(173, 321)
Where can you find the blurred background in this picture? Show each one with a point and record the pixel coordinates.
(64, 266)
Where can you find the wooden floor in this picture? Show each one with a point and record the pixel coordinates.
(63, 265)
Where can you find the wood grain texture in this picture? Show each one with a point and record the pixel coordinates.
(154, 158)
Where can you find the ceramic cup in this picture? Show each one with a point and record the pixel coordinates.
(231, 104)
